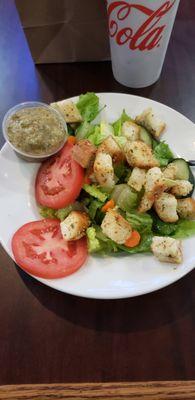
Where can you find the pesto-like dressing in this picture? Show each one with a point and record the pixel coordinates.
(35, 130)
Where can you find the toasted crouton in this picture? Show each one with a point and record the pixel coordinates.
(181, 188)
(103, 170)
(130, 130)
(116, 227)
(151, 122)
(137, 179)
(138, 154)
(83, 152)
(167, 249)
(68, 110)
(170, 172)
(75, 225)
(186, 208)
(166, 207)
(110, 146)
(153, 187)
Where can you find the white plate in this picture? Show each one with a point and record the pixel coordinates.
(111, 277)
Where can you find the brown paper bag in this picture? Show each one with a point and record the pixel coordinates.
(65, 30)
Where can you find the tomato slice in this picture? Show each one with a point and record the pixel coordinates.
(40, 250)
(59, 180)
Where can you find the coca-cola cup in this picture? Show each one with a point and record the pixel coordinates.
(139, 35)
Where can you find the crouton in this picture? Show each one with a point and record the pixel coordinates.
(116, 227)
(166, 207)
(181, 188)
(137, 179)
(83, 152)
(186, 208)
(170, 172)
(130, 130)
(75, 225)
(153, 187)
(138, 154)
(110, 146)
(151, 122)
(68, 110)
(103, 170)
(167, 249)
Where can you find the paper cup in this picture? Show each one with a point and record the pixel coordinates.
(139, 33)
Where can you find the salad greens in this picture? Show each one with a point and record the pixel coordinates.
(88, 106)
(117, 125)
(163, 153)
(94, 191)
(93, 196)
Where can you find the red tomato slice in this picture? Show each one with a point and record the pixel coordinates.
(59, 180)
(40, 250)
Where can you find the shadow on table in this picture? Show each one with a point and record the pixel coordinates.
(143, 313)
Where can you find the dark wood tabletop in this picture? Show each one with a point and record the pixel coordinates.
(47, 336)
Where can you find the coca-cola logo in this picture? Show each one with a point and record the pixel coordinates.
(145, 37)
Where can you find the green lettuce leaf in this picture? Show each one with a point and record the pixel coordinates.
(117, 125)
(98, 242)
(47, 212)
(94, 191)
(163, 153)
(143, 247)
(121, 170)
(93, 207)
(62, 213)
(121, 141)
(84, 130)
(140, 222)
(100, 133)
(185, 229)
(93, 243)
(180, 229)
(163, 228)
(107, 245)
(88, 106)
(97, 136)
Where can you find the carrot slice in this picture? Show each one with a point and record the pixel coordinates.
(109, 204)
(133, 240)
(71, 139)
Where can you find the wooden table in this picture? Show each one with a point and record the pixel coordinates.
(47, 336)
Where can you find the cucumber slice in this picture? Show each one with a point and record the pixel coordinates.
(183, 169)
(117, 191)
(184, 172)
(128, 199)
(145, 136)
(192, 181)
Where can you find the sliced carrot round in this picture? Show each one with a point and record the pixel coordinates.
(71, 139)
(133, 240)
(109, 204)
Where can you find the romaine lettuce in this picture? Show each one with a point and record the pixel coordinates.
(98, 242)
(117, 125)
(163, 153)
(88, 106)
(93, 207)
(143, 247)
(92, 242)
(94, 191)
(141, 222)
(84, 130)
(185, 229)
(61, 213)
